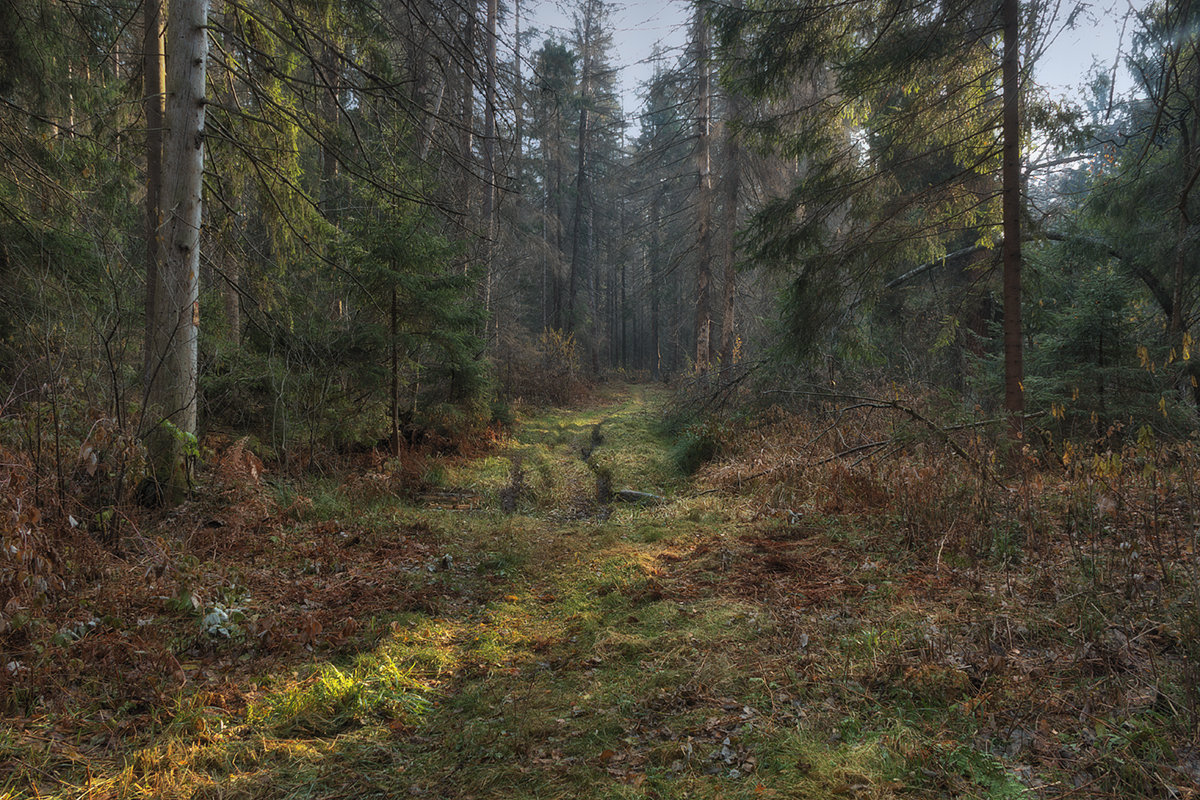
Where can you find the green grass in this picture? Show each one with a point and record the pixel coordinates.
(573, 654)
(374, 688)
(621, 438)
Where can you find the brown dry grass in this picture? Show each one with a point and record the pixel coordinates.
(823, 618)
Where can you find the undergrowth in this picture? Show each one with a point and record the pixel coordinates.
(847, 602)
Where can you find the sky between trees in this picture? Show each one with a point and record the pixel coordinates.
(406, 226)
(641, 26)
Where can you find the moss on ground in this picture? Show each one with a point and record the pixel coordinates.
(566, 648)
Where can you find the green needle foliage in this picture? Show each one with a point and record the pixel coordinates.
(1084, 367)
(889, 112)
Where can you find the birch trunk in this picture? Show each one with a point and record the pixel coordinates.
(467, 123)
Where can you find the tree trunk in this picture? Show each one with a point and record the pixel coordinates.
(733, 179)
(331, 118)
(154, 77)
(173, 385)
(1177, 326)
(467, 123)
(577, 225)
(655, 289)
(592, 294)
(729, 289)
(704, 200)
(518, 104)
(232, 301)
(560, 226)
(426, 95)
(489, 156)
(394, 329)
(1014, 373)
(546, 246)
(231, 273)
(623, 260)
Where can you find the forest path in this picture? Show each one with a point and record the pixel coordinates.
(548, 650)
(565, 648)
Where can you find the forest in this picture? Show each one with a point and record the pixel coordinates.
(389, 409)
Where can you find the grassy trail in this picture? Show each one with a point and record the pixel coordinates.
(567, 648)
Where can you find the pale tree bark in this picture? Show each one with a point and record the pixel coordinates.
(704, 199)
(429, 90)
(1014, 370)
(467, 122)
(518, 104)
(173, 385)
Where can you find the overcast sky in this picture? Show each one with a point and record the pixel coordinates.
(639, 25)
(1100, 31)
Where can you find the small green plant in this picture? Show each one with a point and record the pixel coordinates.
(1007, 540)
(189, 447)
(695, 446)
(434, 475)
(75, 631)
(985, 771)
(222, 621)
(498, 564)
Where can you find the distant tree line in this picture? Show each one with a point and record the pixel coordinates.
(337, 222)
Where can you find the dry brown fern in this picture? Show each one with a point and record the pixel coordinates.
(237, 468)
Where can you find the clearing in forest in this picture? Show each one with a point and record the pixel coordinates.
(518, 631)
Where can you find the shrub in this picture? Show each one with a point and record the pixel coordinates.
(546, 372)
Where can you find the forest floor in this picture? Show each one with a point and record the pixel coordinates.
(519, 632)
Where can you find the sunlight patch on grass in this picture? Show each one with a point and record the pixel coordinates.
(564, 653)
(560, 453)
(333, 699)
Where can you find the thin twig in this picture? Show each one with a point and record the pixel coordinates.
(861, 401)
(852, 451)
